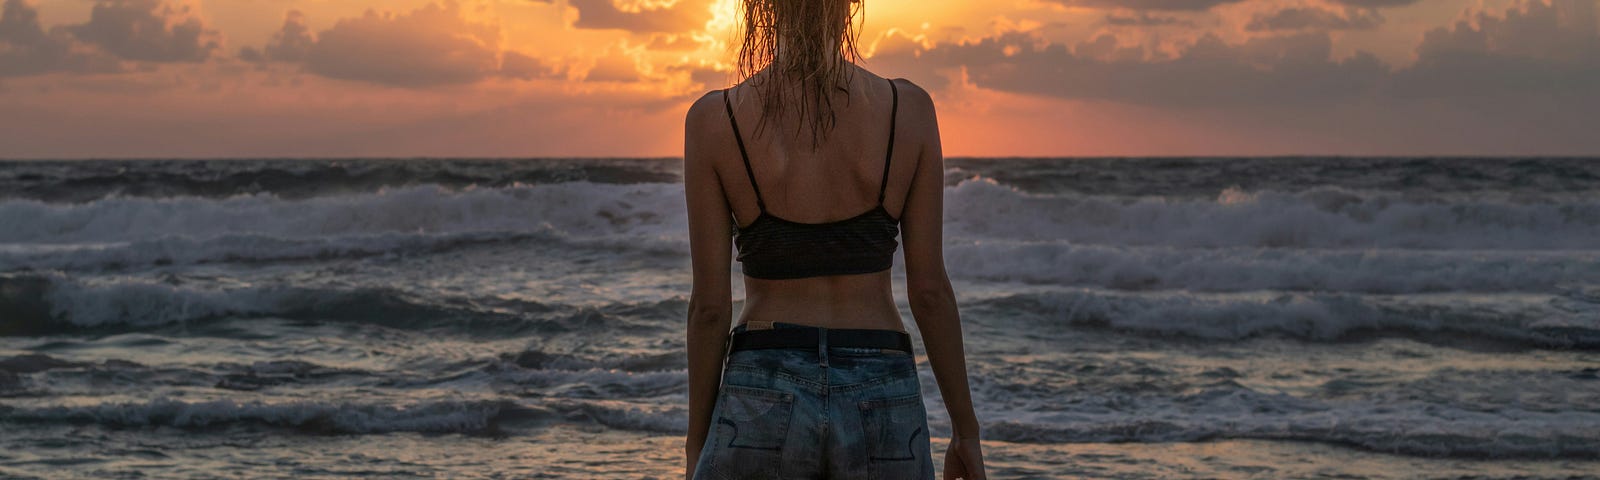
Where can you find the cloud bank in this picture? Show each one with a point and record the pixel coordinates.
(134, 30)
(681, 16)
(1533, 49)
(147, 30)
(427, 47)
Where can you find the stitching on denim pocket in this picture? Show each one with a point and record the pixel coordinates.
(911, 450)
(895, 428)
(756, 418)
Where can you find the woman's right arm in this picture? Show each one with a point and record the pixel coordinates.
(710, 250)
(933, 301)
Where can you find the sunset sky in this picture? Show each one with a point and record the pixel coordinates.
(520, 78)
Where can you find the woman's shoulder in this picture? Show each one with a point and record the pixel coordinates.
(913, 95)
(705, 110)
(916, 118)
(702, 125)
(710, 101)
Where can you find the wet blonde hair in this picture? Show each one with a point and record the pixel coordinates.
(809, 44)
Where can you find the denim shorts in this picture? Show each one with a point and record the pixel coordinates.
(843, 413)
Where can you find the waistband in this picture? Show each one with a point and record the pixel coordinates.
(788, 335)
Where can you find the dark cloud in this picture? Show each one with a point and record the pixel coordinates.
(26, 48)
(147, 30)
(1106, 48)
(1535, 50)
(19, 24)
(1562, 30)
(523, 67)
(429, 47)
(1142, 19)
(1209, 72)
(432, 45)
(709, 77)
(1162, 5)
(1313, 18)
(293, 42)
(1376, 3)
(603, 14)
(289, 44)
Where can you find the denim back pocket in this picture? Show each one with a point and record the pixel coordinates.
(752, 424)
(897, 438)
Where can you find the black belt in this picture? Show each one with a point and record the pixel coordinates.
(808, 338)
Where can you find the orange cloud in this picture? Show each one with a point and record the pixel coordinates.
(1167, 5)
(1377, 3)
(430, 46)
(147, 30)
(1313, 18)
(26, 48)
(615, 66)
(680, 16)
(117, 30)
(289, 44)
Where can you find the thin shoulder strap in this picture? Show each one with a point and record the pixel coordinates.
(742, 154)
(894, 114)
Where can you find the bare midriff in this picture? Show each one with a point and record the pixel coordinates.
(863, 301)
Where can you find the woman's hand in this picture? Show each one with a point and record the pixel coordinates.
(964, 460)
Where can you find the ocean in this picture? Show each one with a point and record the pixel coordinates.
(1125, 318)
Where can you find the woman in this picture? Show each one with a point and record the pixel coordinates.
(820, 381)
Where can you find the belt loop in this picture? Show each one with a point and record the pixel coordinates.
(822, 346)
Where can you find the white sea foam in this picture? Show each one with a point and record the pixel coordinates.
(652, 216)
(53, 302)
(1251, 268)
(1447, 411)
(346, 417)
(317, 417)
(242, 248)
(596, 383)
(1220, 410)
(1402, 427)
(637, 211)
(1535, 320)
(1321, 218)
(137, 301)
(624, 415)
(1320, 241)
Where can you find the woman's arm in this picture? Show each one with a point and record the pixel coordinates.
(933, 301)
(711, 302)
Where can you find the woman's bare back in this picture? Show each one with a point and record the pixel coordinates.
(838, 180)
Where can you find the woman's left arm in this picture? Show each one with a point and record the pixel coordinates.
(711, 302)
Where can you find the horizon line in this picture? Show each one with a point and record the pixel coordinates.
(1594, 156)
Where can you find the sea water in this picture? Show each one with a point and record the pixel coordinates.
(1124, 318)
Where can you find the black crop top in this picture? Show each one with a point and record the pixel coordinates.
(774, 248)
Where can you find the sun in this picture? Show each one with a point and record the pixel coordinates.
(723, 23)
